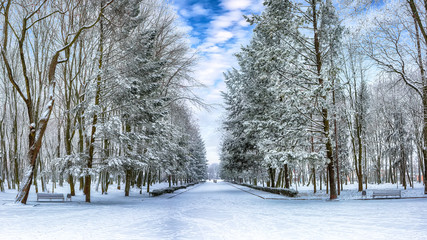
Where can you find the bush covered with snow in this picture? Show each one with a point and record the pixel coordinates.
(280, 191)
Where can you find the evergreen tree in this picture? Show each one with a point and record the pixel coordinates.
(282, 93)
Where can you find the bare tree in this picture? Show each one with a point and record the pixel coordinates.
(422, 90)
(32, 16)
(396, 45)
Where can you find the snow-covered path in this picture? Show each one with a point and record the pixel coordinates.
(214, 211)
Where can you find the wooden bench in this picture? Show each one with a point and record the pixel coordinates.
(50, 196)
(387, 193)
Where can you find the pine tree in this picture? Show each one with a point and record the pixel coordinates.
(283, 88)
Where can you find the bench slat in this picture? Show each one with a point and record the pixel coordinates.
(50, 196)
(385, 193)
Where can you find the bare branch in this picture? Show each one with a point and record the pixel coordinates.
(77, 34)
(42, 18)
(10, 76)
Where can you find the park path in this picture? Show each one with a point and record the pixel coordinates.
(227, 211)
(214, 211)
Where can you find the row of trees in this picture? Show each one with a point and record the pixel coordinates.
(112, 79)
(314, 101)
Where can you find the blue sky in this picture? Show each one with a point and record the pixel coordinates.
(217, 29)
(210, 19)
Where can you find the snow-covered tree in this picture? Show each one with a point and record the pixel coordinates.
(284, 83)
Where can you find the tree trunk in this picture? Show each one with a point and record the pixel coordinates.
(5, 159)
(36, 187)
(366, 169)
(58, 155)
(359, 157)
(272, 173)
(336, 139)
(287, 182)
(279, 178)
(378, 169)
(118, 182)
(16, 173)
(314, 180)
(97, 98)
(139, 179)
(391, 171)
(325, 118)
(14, 155)
(403, 170)
(302, 176)
(3, 162)
(67, 130)
(105, 182)
(145, 178)
(409, 178)
(128, 181)
(149, 181)
(320, 181)
(412, 171)
(327, 179)
(425, 135)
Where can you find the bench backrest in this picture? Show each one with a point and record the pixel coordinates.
(50, 195)
(386, 192)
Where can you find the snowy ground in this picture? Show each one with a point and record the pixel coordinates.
(213, 211)
(350, 191)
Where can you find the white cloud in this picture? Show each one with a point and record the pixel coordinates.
(226, 20)
(210, 48)
(193, 10)
(243, 23)
(257, 6)
(235, 4)
(184, 13)
(211, 68)
(222, 36)
(199, 10)
(194, 41)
